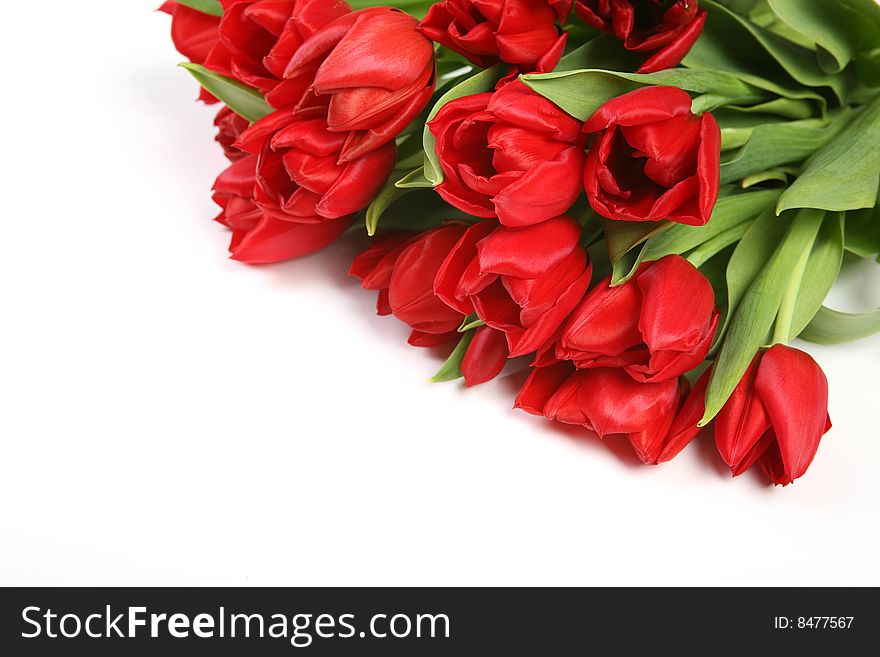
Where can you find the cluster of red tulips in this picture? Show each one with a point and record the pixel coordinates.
(610, 188)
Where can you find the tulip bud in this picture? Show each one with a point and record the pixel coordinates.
(259, 236)
(776, 416)
(666, 28)
(656, 326)
(402, 268)
(523, 282)
(299, 171)
(501, 152)
(372, 70)
(259, 37)
(606, 401)
(519, 32)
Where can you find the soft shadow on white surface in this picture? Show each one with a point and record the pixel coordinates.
(172, 417)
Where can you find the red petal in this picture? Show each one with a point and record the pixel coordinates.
(485, 356)
(672, 54)
(274, 241)
(709, 166)
(645, 105)
(684, 428)
(541, 386)
(529, 252)
(452, 271)
(743, 422)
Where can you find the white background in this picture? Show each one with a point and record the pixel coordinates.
(168, 416)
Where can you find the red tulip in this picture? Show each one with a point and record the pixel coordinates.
(776, 416)
(606, 401)
(656, 326)
(300, 175)
(666, 28)
(374, 69)
(652, 158)
(523, 282)
(194, 33)
(230, 127)
(259, 37)
(519, 32)
(402, 268)
(501, 152)
(259, 236)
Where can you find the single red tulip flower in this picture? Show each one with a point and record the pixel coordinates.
(523, 282)
(259, 37)
(511, 154)
(402, 268)
(375, 72)
(300, 173)
(259, 236)
(776, 416)
(656, 326)
(606, 401)
(667, 29)
(524, 33)
(651, 158)
(230, 127)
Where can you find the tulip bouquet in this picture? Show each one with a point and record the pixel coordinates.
(649, 199)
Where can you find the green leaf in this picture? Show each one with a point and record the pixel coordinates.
(384, 200)
(845, 174)
(863, 232)
(833, 327)
(788, 108)
(622, 237)
(754, 250)
(244, 101)
(417, 8)
(758, 310)
(840, 29)
(771, 145)
(211, 7)
(662, 239)
(712, 247)
(734, 44)
(820, 272)
(451, 369)
(479, 83)
(868, 67)
(779, 174)
(419, 210)
(582, 92)
(415, 179)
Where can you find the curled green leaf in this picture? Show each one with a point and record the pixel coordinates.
(832, 327)
(451, 369)
(244, 101)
